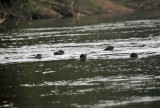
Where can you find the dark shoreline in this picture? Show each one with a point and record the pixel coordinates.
(33, 10)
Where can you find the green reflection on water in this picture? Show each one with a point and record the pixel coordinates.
(99, 78)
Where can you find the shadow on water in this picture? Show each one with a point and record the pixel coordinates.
(106, 79)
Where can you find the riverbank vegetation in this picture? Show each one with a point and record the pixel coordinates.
(11, 10)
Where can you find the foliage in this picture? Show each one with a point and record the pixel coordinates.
(29, 9)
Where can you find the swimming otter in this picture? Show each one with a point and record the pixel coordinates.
(60, 52)
(109, 48)
(134, 55)
(83, 57)
(38, 56)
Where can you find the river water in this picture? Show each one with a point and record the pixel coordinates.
(108, 79)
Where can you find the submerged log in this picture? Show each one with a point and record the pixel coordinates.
(69, 10)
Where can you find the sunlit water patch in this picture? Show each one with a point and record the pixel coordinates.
(123, 47)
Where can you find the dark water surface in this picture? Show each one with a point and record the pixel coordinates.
(108, 79)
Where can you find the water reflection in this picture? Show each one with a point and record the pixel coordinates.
(106, 79)
(111, 103)
(22, 44)
(112, 82)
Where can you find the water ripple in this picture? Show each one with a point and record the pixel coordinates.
(80, 39)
